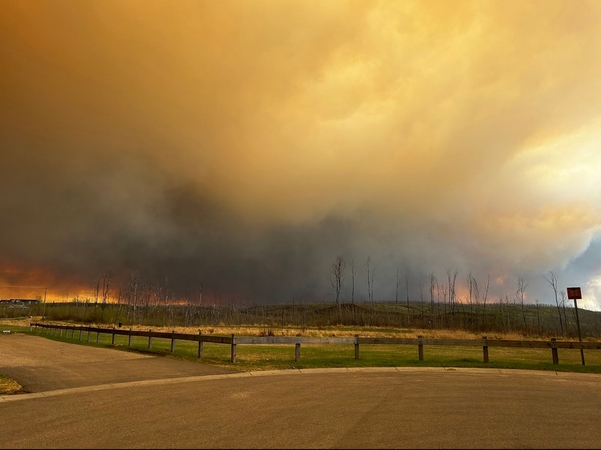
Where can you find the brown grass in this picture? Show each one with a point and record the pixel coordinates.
(8, 386)
(341, 331)
(258, 330)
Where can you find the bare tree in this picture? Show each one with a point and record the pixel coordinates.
(486, 290)
(551, 278)
(96, 287)
(353, 274)
(421, 296)
(407, 289)
(396, 295)
(452, 281)
(563, 306)
(537, 317)
(106, 286)
(337, 276)
(433, 282)
(520, 294)
(370, 280)
(134, 279)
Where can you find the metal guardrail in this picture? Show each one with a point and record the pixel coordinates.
(357, 341)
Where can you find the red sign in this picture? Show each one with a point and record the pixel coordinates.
(574, 293)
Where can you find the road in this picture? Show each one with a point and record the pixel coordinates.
(353, 408)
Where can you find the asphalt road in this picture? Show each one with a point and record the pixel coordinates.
(309, 408)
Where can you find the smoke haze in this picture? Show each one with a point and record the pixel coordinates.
(244, 145)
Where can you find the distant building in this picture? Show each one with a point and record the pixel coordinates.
(20, 301)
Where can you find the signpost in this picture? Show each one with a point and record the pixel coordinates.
(574, 293)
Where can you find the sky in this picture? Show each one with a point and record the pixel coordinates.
(243, 146)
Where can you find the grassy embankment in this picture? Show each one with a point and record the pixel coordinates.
(276, 357)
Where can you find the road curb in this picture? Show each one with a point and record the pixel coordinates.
(269, 373)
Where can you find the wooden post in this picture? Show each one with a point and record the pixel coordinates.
(97, 337)
(200, 346)
(172, 342)
(554, 352)
(485, 349)
(80, 330)
(297, 352)
(356, 346)
(150, 340)
(61, 333)
(233, 356)
(88, 339)
(420, 349)
(129, 340)
(30, 327)
(579, 334)
(113, 337)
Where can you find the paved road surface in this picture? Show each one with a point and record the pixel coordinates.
(40, 364)
(327, 408)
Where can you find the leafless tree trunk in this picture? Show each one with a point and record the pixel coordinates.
(396, 295)
(486, 291)
(97, 288)
(551, 278)
(432, 283)
(565, 317)
(421, 296)
(452, 291)
(520, 295)
(353, 274)
(407, 290)
(370, 280)
(106, 287)
(337, 276)
(537, 317)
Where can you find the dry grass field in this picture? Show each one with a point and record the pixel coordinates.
(332, 331)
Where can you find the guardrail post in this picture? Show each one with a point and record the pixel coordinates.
(420, 349)
(80, 330)
(150, 340)
(129, 338)
(172, 342)
(485, 349)
(200, 346)
(97, 336)
(88, 338)
(554, 351)
(233, 356)
(297, 352)
(356, 346)
(113, 336)
(30, 327)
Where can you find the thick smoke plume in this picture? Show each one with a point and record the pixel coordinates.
(245, 145)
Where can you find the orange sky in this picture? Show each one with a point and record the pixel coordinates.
(426, 134)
